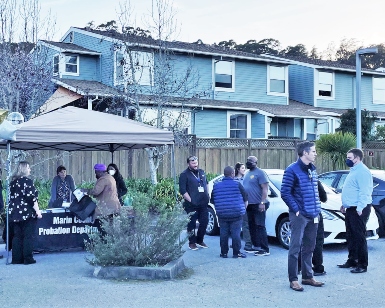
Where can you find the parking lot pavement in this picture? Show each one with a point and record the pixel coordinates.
(65, 279)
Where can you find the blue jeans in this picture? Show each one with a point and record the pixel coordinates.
(230, 226)
(302, 240)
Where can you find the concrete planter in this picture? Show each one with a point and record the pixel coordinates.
(168, 271)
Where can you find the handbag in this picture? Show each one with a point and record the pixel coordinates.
(83, 208)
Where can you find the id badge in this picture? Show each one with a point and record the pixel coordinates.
(201, 189)
(316, 220)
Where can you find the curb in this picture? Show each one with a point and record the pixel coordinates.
(169, 271)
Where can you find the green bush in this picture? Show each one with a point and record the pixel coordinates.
(140, 240)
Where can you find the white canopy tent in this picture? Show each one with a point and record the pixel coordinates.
(76, 129)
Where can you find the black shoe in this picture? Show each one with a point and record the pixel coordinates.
(319, 273)
(347, 264)
(358, 270)
(33, 261)
(16, 262)
(250, 250)
(223, 255)
(240, 255)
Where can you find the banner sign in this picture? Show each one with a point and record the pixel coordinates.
(60, 229)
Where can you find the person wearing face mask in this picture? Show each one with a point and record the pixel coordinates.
(62, 187)
(120, 185)
(193, 188)
(106, 195)
(356, 205)
(256, 185)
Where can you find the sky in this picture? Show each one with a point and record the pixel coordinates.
(309, 22)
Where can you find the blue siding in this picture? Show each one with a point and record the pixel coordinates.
(105, 48)
(211, 123)
(257, 125)
(344, 87)
(250, 85)
(301, 84)
(88, 68)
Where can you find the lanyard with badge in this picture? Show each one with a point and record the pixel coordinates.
(200, 188)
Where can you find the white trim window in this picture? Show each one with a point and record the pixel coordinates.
(238, 125)
(224, 75)
(378, 90)
(142, 63)
(55, 65)
(277, 80)
(71, 65)
(326, 85)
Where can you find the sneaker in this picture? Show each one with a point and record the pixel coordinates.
(192, 246)
(250, 250)
(240, 255)
(261, 253)
(223, 255)
(202, 245)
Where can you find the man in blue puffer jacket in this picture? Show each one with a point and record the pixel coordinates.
(300, 192)
(230, 200)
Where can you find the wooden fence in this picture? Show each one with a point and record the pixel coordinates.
(213, 154)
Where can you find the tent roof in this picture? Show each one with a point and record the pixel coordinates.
(76, 129)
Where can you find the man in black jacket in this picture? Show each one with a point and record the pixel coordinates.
(193, 188)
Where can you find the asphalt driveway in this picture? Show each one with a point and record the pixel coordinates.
(65, 279)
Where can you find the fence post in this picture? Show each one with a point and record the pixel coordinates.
(249, 146)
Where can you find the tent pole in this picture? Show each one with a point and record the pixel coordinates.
(111, 146)
(8, 167)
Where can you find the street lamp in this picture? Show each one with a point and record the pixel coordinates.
(359, 52)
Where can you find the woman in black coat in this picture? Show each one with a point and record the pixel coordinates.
(120, 185)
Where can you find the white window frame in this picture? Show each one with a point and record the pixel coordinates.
(316, 86)
(248, 119)
(126, 75)
(382, 88)
(286, 80)
(77, 65)
(220, 89)
(58, 64)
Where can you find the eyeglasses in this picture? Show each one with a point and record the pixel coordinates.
(193, 158)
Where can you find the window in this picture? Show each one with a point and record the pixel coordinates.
(239, 125)
(325, 84)
(56, 65)
(72, 65)
(379, 90)
(276, 79)
(224, 75)
(142, 64)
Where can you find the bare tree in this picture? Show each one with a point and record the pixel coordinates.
(152, 83)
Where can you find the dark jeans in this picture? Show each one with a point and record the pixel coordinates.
(356, 235)
(230, 226)
(257, 227)
(201, 214)
(22, 243)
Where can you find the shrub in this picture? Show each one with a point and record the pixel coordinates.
(140, 240)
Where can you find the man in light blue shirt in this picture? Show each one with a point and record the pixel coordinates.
(356, 204)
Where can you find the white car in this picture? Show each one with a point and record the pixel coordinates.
(277, 216)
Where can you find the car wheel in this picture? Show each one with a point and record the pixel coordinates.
(284, 232)
(212, 226)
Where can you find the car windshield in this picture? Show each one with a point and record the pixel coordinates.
(276, 180)
(380, 176)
